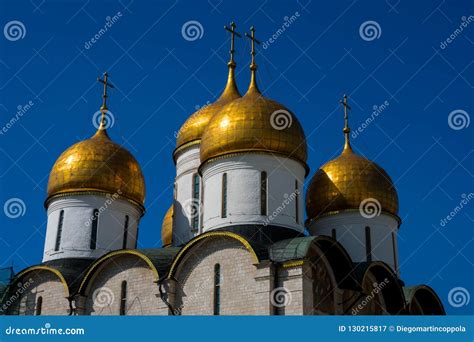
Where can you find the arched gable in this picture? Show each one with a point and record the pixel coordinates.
(47, 269)
(423, 300)
(192, 243)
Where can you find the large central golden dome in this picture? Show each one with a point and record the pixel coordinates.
(254, 123)
(97, 165)
(345, 182)
(193, 129)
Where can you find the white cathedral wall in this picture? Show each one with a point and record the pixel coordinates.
(187, 165)
(37, 284)
(243, 191)
(194, 289)
(77, 226)
(103, 293)
(350, 232)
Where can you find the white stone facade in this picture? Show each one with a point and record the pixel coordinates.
(77, 225)
(350, 230)
(243, 172)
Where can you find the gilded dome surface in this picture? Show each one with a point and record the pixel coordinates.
(344, 182)
(193, 129)
(167, 228)
(254, 123)
(97, 164)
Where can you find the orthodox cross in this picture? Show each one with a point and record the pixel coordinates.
(254, 40)
(106, 84)
(233, 33)
(346, 118)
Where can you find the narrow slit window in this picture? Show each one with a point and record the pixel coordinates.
(196, 203)
(395, 265)
(217, 289)
(368, 244)
(39, 306)
(297, 202)
(125, 231)
(60, 230)
(334, 234)
(123, 298)
(95, 223)
(224, 196)
(263, 193)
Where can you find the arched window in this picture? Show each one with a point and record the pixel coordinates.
(125, 232)
(224, 196)
(297, 202)
(196, 204)
(39, 306)
(123, 298)
(60, 230)
(368, 244)
(95, 223)
(217, 289)
(263, 193)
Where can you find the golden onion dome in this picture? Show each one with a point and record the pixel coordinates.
(167, 228)
(97, 165)
(193, 129)
(254, 123)
(348, 181)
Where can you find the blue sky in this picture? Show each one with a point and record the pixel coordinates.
(161, 78)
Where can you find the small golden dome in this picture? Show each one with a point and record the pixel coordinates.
(97, 165)
(344, 182)
(193, 129)
(167, 228)
(254, 123)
